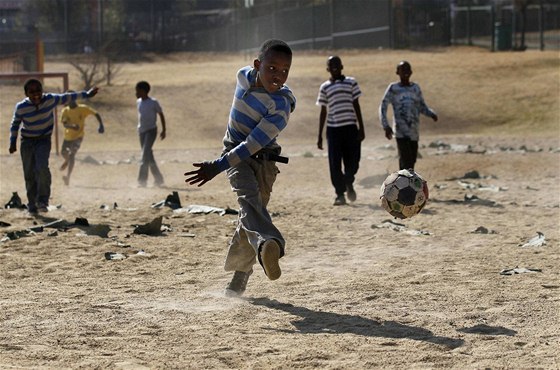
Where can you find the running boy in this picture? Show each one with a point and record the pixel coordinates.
(148, 110)
(407, 101)
(345, 128)
(73, 119)
(35, 116)
(261, 108)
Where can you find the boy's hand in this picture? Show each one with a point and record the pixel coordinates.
(101, 129)
(206, 172)
(361, 135)
(389, 133)
(13, 148)
(435, 117)
(92, 92)
(162, 135)
(320, 142)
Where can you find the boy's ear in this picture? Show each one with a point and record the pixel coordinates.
(256, 63)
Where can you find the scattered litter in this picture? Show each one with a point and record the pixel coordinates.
(15, 202)
(518, 270)
(81, 221)
(4, 224)
(531, 188)
(536, 241)
(171, 201)
(151, 228)
(122, 245)
(89, 159)
(187, 235)
(53, 233)
(14, 235)
(195, 208)
(114, 256)
(469, 199)
(483, 230)
(440, 186)
(395, 226)
(478, 186)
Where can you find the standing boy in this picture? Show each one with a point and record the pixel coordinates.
(73, 119)
(407, 101)
(148, 110)
(35, 116)
(345, 128)
(261, 108)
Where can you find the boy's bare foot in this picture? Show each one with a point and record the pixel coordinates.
(269, 257)
(66, 180)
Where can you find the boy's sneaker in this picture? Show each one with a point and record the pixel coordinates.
(340, 200)
(238, 284)
(351, 193)
(269, 256)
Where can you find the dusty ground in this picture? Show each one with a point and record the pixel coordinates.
(357, 291)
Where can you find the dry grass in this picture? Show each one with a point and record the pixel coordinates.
(475, 92)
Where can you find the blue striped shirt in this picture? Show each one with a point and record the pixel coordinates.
(339, 96)
(37, 121)
(256, 118)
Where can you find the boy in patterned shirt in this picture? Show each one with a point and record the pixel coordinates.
(73, 119)
(35, 116)
(407, 101)
(345, 128)
(260, 111)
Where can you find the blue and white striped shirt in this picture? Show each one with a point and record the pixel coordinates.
(339, 96)
(256, 118)
(39, 120)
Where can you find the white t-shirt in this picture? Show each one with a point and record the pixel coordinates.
(147, 114)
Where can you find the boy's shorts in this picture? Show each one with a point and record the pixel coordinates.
(71, 147)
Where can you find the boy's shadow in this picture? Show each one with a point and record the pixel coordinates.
(313, 322)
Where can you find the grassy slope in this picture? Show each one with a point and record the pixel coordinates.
(473, 91)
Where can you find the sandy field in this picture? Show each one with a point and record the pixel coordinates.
(359, 289)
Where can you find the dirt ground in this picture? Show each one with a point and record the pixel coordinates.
(358, 288)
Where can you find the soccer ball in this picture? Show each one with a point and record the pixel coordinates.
(404, 193)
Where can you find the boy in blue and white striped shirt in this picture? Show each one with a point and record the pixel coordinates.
(261, 107)
(35, 116)
(339, 97)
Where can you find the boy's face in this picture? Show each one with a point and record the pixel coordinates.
(273, 70)
(404, 71)
(334, 67)
(34, 93)
(140, 93)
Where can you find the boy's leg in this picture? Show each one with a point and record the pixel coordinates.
(252, 180)
(407, 153)
(351, 159)
(42, 154)
(28, 160)
(335, 160)
(147, 140)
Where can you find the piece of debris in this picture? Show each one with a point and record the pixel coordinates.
(196, 208)
(536, 241)
(171, 201)
(114, 256)
(395, 226)
(151, 228)
(89, 159)
(483, 230)
(518, 270)
(15, 202)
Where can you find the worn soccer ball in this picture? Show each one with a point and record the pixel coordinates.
(404, 193)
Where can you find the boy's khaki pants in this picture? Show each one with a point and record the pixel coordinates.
(252, 180)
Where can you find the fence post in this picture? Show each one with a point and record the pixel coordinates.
(493, 28)
(541, 25)
(469, 36)
(331, 16)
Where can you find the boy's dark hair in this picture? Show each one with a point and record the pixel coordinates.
(404, 64)
(31, 81)
(143, 85)
(274, 45)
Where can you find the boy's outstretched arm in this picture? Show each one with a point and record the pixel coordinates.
(206, 172)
